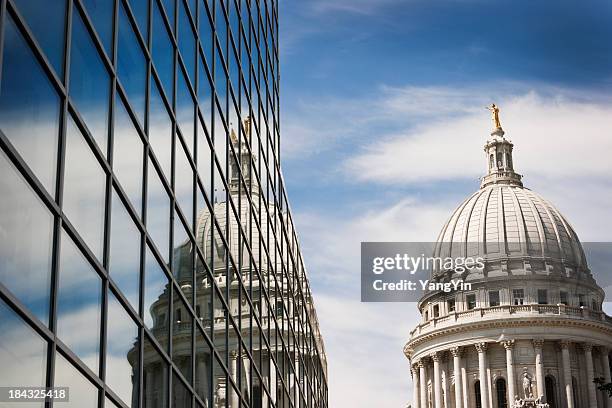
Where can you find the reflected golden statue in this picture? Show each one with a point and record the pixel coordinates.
(247, 125)
(495, 116)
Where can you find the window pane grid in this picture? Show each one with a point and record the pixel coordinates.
(190, 167)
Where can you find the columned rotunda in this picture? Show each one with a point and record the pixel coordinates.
(531, 331)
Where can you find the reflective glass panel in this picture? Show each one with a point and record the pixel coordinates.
(203, 361)
(140, 9)
(121, 351)
(158, 212)
(204, 160)
(156, 297)
(181, 395)
(185, 111)
(181, 336)
(124, 256)
(101, 13)
(83, 394)
(182, 259)
(89, 83)
(128, 155)
(131, 65)
(29, 107)
(23, 354)
(206, 33)
(155, 382)
(84, 189)
(163, 53)
(47, 25)
(78, 304)
(183, 180)
(160, 131)
(186, 41)
(169, 7)
(26, 234)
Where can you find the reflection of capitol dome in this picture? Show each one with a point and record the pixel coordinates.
(531, 325)
(278, 291)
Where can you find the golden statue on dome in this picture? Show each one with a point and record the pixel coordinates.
(494, 109)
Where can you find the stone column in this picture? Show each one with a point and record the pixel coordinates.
(509, 346)
(233, 373)
(415, 386)
(605, 366)
(423, 382)
(592, 388)
(567, 373)
(445, 382)
(437, 380)
(483, 366)
(202, 378)
(539, 368)
(456, 353)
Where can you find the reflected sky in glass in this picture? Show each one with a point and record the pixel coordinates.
(158, 212)
(83, 394)
(160, 130)
(26, 233)
(162, 51)
(84, 189)
(121, 350)
(140, 10)
(128, 155)
(101, 13)
(131, 65)
(204, 160)
(185, 110)
(23, 354)
(79, 304)
(47, 25)
(186, 41)
(89, 83)
(29, 107)
(183, 180)
(124, 256)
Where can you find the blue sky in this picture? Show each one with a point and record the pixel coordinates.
(383, 123)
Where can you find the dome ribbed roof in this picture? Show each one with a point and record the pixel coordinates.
(502, 220)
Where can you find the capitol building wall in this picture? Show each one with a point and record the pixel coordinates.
(531, 331)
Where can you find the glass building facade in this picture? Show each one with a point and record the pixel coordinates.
(147, 253)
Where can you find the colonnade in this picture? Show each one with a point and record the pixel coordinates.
(432, 364)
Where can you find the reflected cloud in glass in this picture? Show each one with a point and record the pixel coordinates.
(82, 394)
(121, 351)
(89, 83)
(29, 107)
(23, 354)
(128, 155)
(79, 304)
(84, 189)
(26, 233)
(124, 256)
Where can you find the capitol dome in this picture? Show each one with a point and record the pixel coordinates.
(509, 221)
(529, 330)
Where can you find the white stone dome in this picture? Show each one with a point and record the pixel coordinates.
(509, 221)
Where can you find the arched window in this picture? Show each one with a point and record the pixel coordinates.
(491, 161)
(477, 394)
(502, 399)
(499, 160)
(508, 160)
(551, 391)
